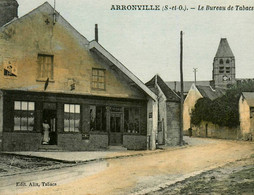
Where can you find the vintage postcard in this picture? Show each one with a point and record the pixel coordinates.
(126, 97)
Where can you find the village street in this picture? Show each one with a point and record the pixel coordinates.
(133, 175)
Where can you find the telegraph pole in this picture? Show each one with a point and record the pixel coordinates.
(195, 75)
(181, 80)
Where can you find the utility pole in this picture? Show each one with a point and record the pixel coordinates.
(195, 75)
(181, 80)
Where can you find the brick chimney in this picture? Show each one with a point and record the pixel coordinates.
(8, 11)
(96, 33)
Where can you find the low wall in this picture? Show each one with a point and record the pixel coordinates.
(21, 141)
(74, 142)
(135, 142)
(207, 129)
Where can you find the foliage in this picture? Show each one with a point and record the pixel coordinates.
(222, 111)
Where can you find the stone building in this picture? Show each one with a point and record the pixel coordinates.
(49, 71)
(195, 93)
(223, 73)
(246, 115)
(224, 66)
(168, 112)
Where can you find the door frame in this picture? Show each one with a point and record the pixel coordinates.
(110, 133)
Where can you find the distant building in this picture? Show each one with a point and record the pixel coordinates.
(246, 115)
(195, 93)
(50, 72)
(224, 66)
(168, 112)
(223, 71)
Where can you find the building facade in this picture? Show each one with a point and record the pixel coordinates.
(168, 112)
(50, 72)
(246, 115)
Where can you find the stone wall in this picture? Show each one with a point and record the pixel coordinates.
(74, 142)
(207, 129)
(173, 123)
(135, 142)
(21, 141)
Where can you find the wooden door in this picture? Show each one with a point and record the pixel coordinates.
(115, 131)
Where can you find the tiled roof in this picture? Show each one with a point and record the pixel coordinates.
(170, 95)
(176, 85)
(249, 96)
(224, 49)
(208, 92)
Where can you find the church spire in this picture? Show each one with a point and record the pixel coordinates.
(224, 50)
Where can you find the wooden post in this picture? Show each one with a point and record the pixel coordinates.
(181, 80)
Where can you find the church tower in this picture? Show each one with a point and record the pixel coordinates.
(224, 66)
(8, 11)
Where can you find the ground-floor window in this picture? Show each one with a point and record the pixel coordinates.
(132, 120)
(97, 118)
(71, 117)
(23, 115)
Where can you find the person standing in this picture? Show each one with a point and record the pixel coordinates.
(46, 137)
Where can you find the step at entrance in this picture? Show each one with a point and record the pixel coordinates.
(117, 148)
(49, 148)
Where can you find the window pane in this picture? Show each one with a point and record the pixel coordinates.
(24, 123)
(101, 73)
(71, 108)
(66, 125)
(66, 107)
(77, 108)
(17, 105)
(30, 123)
(72, 125)
(31, 106)
(17, 123)
(24, 105)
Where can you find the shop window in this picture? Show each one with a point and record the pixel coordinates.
(97, 118)
(98, 79)
(132, 120)
(46, 68)
(23, 116)
(221, 61)
(71, 117)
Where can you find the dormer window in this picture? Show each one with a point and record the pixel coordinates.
(221, 61)
(227, 61)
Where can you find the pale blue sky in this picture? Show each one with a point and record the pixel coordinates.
(147, 42)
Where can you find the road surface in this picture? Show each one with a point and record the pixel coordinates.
(133, 175)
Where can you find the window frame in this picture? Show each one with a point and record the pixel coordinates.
(132, 131)
(23, 112)
(40, 72)
(95, 120)
(69, 113)
(97, 76)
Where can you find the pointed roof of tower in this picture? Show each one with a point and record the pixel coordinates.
(224, 49)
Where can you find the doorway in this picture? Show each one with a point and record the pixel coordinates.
(49, 114)
(116, 130)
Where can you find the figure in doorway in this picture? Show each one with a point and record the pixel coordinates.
(190, 132)
(46, 127)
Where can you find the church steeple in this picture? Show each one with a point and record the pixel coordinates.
(8, 11)
(224, 65)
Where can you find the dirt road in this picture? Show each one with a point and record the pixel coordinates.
(135, 175)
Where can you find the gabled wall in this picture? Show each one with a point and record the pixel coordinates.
(22, 40)
(189, 103)
(246, 122)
